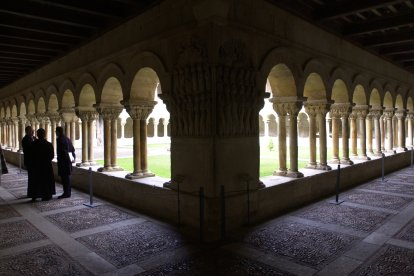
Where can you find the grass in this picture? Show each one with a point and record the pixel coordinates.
(160, 164)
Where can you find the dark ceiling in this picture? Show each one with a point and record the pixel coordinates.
(385, 28)
(36, 32)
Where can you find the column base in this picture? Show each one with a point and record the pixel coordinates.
(346, 162)
(83, 164)
(324, 168)
(92, 163)
(110, 169)
(377, 154)
(390, 152)
(401, 149)
(313, 166)
(363, 157)
(294, 174)
(280, 172)
(134, 175)
(335, 161)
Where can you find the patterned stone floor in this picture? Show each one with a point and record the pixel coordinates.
(371, 233)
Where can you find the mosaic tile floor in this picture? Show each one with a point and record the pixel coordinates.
(371, 233)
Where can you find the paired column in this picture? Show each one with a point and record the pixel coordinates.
(139, 112)
(353, 134)
(87, 118)
(376, 113)
(388, 115)
(410, 117)
(361, 112)
(401, 114)
(110, 115)
(54, 117)
(288, 108)
(339, 114)
(316, 111)
(383, 130)
(368, 129)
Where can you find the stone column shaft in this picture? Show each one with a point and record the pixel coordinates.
(410, 129)
(335, 140)
(312, 142)
(354, 151)
(401, 130)
(282, 145)
(323, 165)
(114, 139)
(369, 133)
(382, 130)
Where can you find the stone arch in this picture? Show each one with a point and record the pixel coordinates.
(388, 100)
(280, 55)
(22, 109)
(399, 103)
(340, 92)
(52, 103)
(85, 79)
(66, 85)
(41, 105)
(282, 82)
(375, 98)
(261, 126)
(150, 127)
(410, 106)
(146, 60)
(111, 92)
(314, 88)
(144, 85)
(31, 107)
(359, 96)
(111, 85)
(338, 80)
(87, 97)
(68, 99)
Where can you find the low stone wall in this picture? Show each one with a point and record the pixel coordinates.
(265, 203)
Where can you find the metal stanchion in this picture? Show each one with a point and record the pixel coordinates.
(223, 212)
(201, 214)
(382, 168)
(412, 156)
(91, 204)
(338, 179)
(248, 202)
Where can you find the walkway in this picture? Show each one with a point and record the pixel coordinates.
(371, 233)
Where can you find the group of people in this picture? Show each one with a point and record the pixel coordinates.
(38, 156)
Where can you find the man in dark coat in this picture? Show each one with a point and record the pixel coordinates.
(63, 147)
(29, 161)
(43, 171)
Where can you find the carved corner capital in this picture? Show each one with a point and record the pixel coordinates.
(109, 112)
(139, 109)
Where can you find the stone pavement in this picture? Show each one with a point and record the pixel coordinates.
(371, 233)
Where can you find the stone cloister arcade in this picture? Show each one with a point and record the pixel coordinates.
(214, 72)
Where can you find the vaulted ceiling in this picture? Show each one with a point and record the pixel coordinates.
(36, 32)
(383, 27)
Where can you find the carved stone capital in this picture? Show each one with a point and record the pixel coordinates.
(67, 114)
(360, 111)
(109, 112)
(400, 114)
(139, 110)
(22, 119)
(410, 115)
(389, 113)
(287, 105)
(340, 110)
(376, 112)
(86, 116)
(315, 108)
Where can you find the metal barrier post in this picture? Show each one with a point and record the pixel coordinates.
(178, 203)
(338, 179)
(91, 204)
(248, 202)
(201, 214)
(412, 157)
(223, 213)
(382, 168)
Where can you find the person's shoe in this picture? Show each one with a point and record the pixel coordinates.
(63, 196)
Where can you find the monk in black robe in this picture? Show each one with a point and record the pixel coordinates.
(43, 171)
(63, 147)
(27, 141)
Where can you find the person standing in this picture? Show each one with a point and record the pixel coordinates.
(27, 141)
(63, 147)
(44, 178)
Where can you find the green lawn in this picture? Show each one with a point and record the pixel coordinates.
(269, 160)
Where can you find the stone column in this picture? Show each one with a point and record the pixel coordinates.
(66, 115)
(110, 114)
(388, 114)
(335, 118)
(165, 122)
(401, 114)
(15, 128)
(266, 128)
(345, 111)
(395, 131)
(9, 133)
(84, 119)
(353, 130)
(376, 115)
(54, 117)
(293, 109)
(323, 164)
(410, 117)
(139, 112)
(21, 131)
(123, 128)
(368, 125)
(281, 112)
(361, 112)
(382, 130)
(311, 111)
(72, 124)
(93, 116)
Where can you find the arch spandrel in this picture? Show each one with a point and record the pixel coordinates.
(281, 81)
(314, 88)
(340, 92)
(375, 98)
(144, 85)
(388, 101)
(359, 97)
